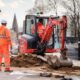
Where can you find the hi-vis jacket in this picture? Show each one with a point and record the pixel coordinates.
(5, 39)
(40, 29)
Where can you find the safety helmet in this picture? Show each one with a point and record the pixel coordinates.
(3, 22)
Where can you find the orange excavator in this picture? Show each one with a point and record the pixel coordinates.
(54, 32)
(47, 37)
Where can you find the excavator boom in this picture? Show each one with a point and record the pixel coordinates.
(52, 23)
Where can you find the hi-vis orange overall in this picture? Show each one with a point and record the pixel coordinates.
(5, 43)
(40, 29)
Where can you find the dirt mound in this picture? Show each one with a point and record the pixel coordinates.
(28, 60)
(31, 60)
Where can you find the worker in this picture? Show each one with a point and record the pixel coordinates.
(40, 28)
(5, 45)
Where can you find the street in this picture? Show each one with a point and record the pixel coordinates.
(18, 75)
(33, 73)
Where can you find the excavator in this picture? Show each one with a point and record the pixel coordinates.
(30, 43)
(52, 40)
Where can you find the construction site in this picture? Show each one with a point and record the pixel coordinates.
(48, 48)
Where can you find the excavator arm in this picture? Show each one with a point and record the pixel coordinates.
(62, 23)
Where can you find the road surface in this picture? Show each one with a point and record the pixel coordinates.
(26, 74)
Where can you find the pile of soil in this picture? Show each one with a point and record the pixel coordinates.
(31, 60)
(28, 60)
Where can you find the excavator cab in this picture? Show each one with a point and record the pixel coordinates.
(30, 42)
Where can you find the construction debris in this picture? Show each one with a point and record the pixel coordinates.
(35, 60)
(46, 74)
(31, 60)
(28, 60)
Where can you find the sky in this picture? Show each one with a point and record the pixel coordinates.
(18, 7)
(11, 7)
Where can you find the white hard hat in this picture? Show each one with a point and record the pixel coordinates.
(3, 21)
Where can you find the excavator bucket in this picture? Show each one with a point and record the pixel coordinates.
(57, 61)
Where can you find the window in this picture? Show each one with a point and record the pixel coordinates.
(28, 24)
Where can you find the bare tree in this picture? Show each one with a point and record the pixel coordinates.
(72, 7)
(55, 7)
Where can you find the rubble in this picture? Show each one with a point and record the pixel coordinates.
(46, 74)
(28, 60)
(32, 61)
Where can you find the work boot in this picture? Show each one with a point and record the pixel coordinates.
(8, 70)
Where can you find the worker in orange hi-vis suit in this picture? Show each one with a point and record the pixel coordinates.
(5, 45)
(40, 28)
